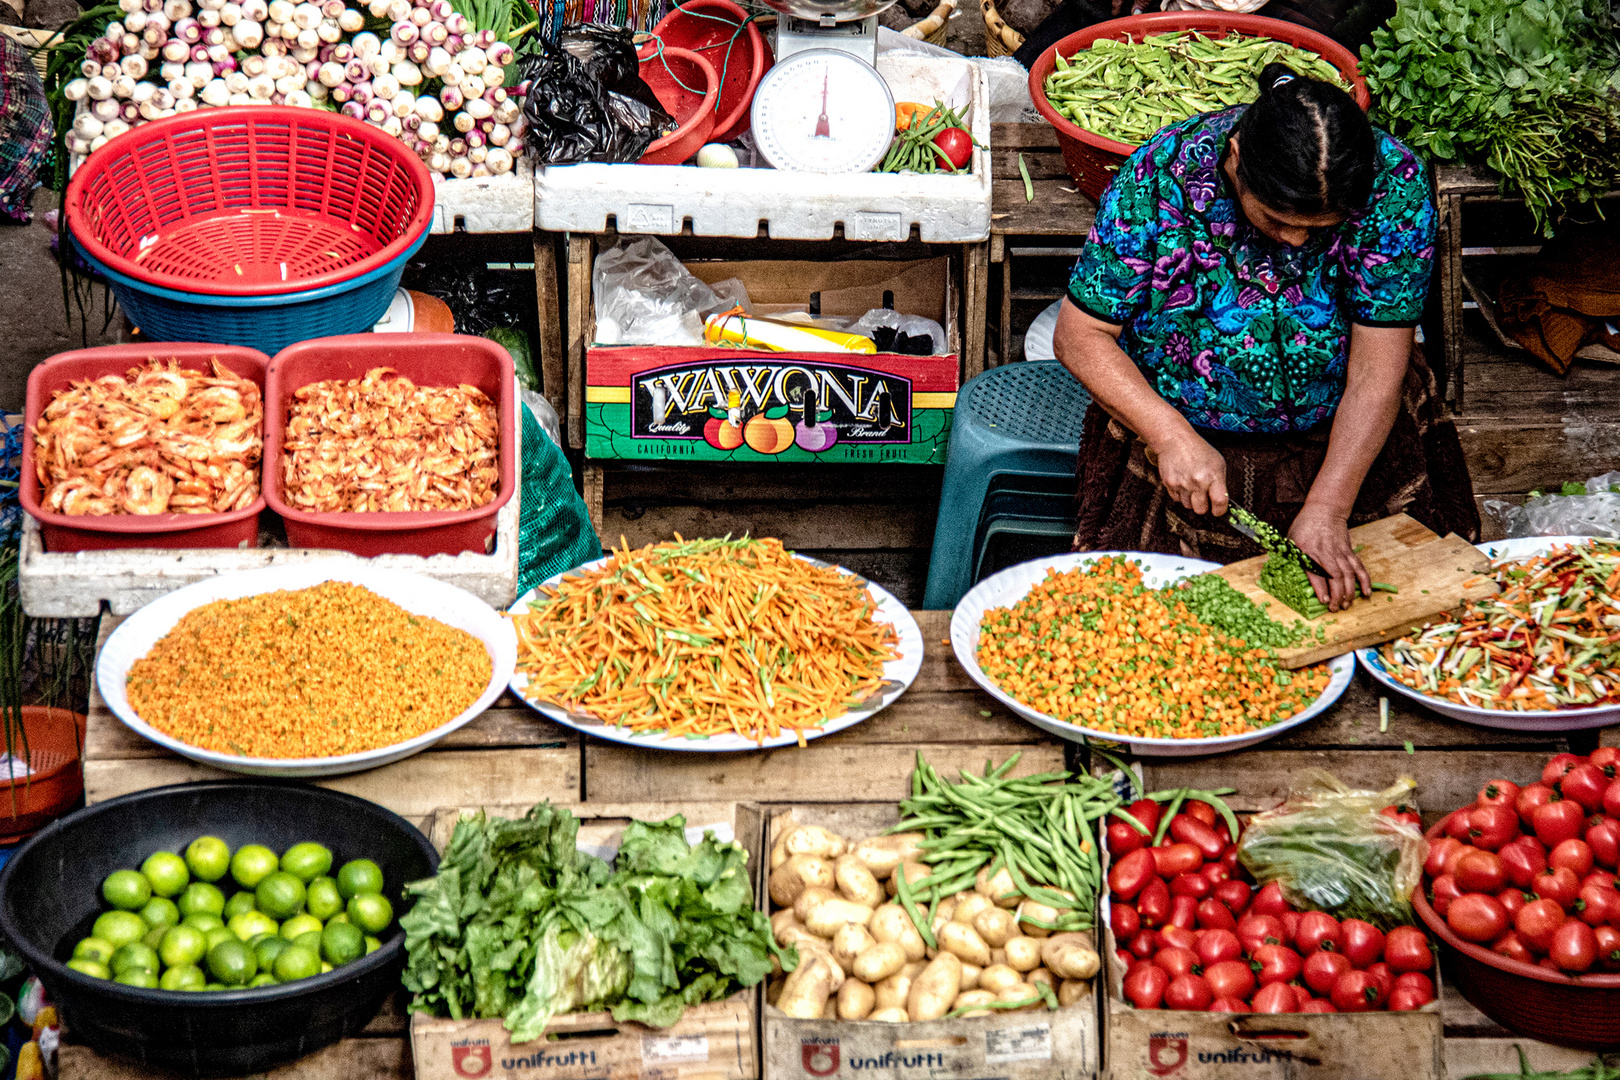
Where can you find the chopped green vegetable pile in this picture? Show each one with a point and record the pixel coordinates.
(1283, 575)
(1215, 603)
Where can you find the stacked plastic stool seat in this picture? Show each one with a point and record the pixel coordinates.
(1021, 419)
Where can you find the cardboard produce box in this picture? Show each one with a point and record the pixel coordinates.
(670, 402)
(712, 1041)
(1039, 1044)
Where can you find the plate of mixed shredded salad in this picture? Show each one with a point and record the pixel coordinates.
(1543, 655)
(1141, 649)
(712, 646)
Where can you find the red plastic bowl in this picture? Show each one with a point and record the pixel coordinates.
(1528, 1000)
(425, 359)
(55, 746)
(62, 532)
(693, 111)
(710, 27)
(1091, 159)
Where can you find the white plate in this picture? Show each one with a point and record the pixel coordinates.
(897, 675)
(1511, 719)
(135, 637)
(1012, 584)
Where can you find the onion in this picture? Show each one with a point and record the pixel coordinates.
(182, 89)
(261, 87)
(457, 23)
(86, 126)
(499, 135)
(420, 17)
(391, 51)
(273, 45)
(77, 90)
(148, 110)
(428, 108)
(427, 131)
(507, 111)
(377, 111)
(341, 93)
(97, 143)
(404, 33)
(230, 14)
(351, 21)
(493, 77)
(122, 86)
(330, 74)
(289, 84)
(472, 60)
(407, 73)
(175, 10)
(500, 54)
(300, 99)
(307, 16)
(129, 112)
(302, 55)
(248, 34)
(356, 70)
(477, 154)
(105, 109)
(399, 10)
(479, 109)
(418, 52)
(473, 87)
(171, 70)
(218, 54)
(404, 103)
(207, 18)
(135, 22)
(366, 45)
(460, 168)
(176, 51)
(128, 45)
(378, 8)
(439, 162)
(441, 145)
(329, 32)
(254, 65)
(317, 93)
(90, 68)
(134, 67)
(453, 74)
(475, 141)
(353, 111)
(361, 92)
(517, 127)
(385, 86)
(451, 97)
(144, 91)
(236, 82)
(435, 34)
(185, 104)
(199, 73)
(464, 122)
(381, 68)
(226, 65)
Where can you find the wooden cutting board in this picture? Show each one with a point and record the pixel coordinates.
(1434, 574)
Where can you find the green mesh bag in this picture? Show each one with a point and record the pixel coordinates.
(554, 529)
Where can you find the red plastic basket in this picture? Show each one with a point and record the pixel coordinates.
(1091, 159)
(710, 27)
(673, 76)
(250, 201)
(62, 532)
(428, 360)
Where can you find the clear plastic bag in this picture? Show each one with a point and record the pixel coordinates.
(1592, 509)
(912, 335)
(1331, 850)
(644, 296)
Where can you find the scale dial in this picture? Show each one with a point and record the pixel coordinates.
(823, 111)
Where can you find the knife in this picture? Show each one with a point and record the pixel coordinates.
(1239, 519)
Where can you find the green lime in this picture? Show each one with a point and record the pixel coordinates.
(135, 955)
(252, 863)
(263, 978)
(218, 934)
(325, 967)
(359, 876)
(306, 861)
(208, 858)
(183, 977)
(93, 948)
(322, 899)
(310, 941)
(203, 921)
(371, 912)
(215, 987)
(232, 962)
(119, 928)
(372, 944)
(300, 924)
(154, 936)
(126, 889)
(342, 916)
(200, 897)
(268, 949)
(90, 968)
(341, 943)
(280, 895)
(182, 945)
(297, 962)
(161, 911)
(238, 903)
(166, 872)
(252, 924)
(146, 980)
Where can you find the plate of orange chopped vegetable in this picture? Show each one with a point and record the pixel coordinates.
(712, 645)
(1107, 645)
(1542, 655)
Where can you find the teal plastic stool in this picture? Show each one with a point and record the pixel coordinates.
(1022, 419)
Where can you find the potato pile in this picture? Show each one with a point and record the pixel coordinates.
(861, 956)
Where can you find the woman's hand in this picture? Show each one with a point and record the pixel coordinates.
(1325, 536)
(1194, 473)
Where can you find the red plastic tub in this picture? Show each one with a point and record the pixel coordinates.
(1091, 159)
(64, 532)
(1583, 1012)
(673, 78)
(55, 745)
(710, 27)
(427, 360)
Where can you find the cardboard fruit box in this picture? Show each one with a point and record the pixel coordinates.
(712, 1041)
(670, 402)
(1038, 1044)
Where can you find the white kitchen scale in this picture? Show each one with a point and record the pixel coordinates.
(823, 110)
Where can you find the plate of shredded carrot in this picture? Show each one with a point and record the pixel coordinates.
(1541, 655)
(1094, 645)
(712, 645)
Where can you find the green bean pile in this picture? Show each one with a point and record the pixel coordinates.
(1126, 91)
(1215, 603)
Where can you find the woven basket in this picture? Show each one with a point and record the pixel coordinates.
(31, 40)
(999, 38)
(932, 28)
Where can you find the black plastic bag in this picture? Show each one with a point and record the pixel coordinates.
(587, 101)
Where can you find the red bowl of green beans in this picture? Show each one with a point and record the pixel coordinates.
(1106, 101)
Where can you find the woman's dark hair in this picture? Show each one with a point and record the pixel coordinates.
(1305, 146)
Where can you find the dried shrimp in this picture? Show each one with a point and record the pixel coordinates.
(160, 440)
(384, 443)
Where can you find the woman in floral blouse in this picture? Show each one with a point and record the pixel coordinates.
(1243, 317)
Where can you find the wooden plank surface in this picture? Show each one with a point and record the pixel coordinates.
(351, 1059)
(1058, 209)
(1433, 574)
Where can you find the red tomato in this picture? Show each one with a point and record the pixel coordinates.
(1145, 985)
(1608, 945)
(1122, 839)
(1217, 945)
(1474, 917)
(1278, 963)
(1216, 873)
(1385, 977)
(1183, 912)
(1604, 839)
(1147, 812)
(1491, 827)
(1230, 859)
(1302, 996)
(1558, 766)
(1559, 821)
(1560, 886)
(1356, 991)
(1177, 961)
(1603, 879)
(1318, 931)
(1606, 758)
(1611, 799)
(1275, 998)
(1196, 886)
(1270, 901)
(1521, 862)
(1230, 978)
(1318, 1005)
(1512, 946)
(1549, 963)
(1214, 915)
(1530, 797)
(1440, 851)
(1407, 949)
(1574, 947)
(1479, 871)
(1322, 969)
(1416, 981)
(1403, 814)
(1130, 874)
(1153, 902)
(1122, 921)
(1145, 943)
(1176, 937)
(1189, 830)
(1234, 894)
(1576, 855)
(1228, 1005)
(1456, 825)
(957, 144)
(1512, 900)
(1257, 930)
(1442, 892)
(1499, 793)
(1126, 958)
(1362, 943)
(1405, 999)
(1190, 993)
(1597, 905)
(1200, 811)
(1585, 784)
(1290, 921)
(1537, 922)
(1176, 859)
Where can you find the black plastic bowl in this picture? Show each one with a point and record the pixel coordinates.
(50, 892)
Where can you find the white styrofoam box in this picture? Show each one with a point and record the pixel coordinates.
(794, 206)
(486, 204)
